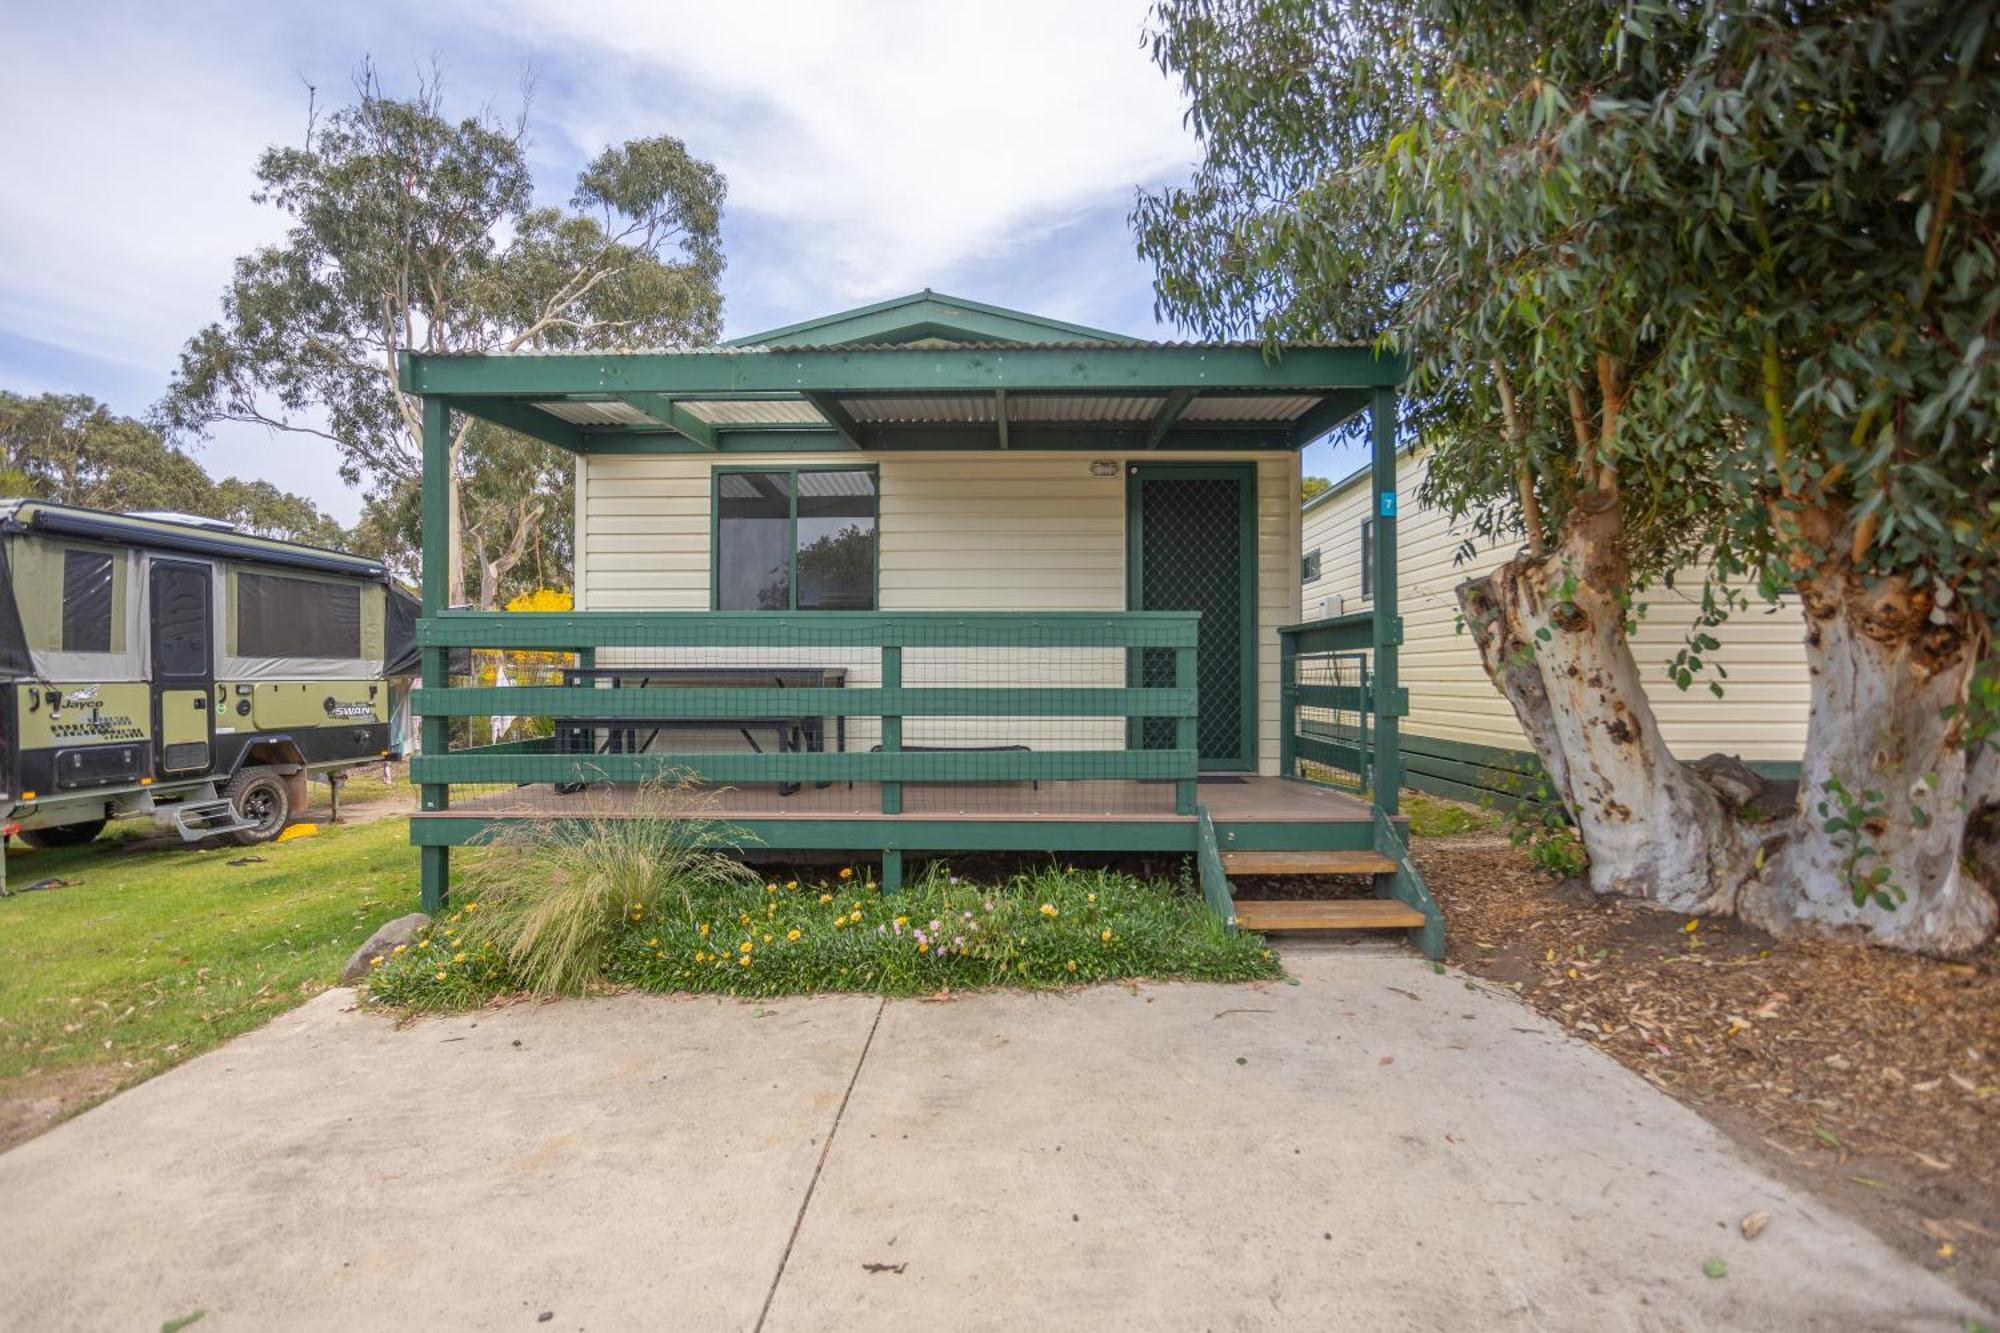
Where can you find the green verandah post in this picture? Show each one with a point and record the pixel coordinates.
(435, 862)
(1388, 627)
(892, 743)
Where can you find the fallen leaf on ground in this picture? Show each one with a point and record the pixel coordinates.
(1754, 1224)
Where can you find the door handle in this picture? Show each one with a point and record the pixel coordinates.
(201, 704)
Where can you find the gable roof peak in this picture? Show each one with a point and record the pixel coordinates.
(930, 316)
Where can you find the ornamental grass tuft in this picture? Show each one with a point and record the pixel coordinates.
(548, 902)
(1050, 928)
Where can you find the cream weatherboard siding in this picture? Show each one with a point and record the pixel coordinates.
(1761, 717)
(959, 532)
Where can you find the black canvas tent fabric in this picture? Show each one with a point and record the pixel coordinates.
(15, 664)
(399, 647)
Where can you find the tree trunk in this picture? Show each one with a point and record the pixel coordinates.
(1889, 672)
(1653, 829)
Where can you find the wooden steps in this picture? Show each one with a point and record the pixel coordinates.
(1306, 863)
(1328, 914)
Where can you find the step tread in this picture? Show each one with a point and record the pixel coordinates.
(1307, 863)
(1323, 914)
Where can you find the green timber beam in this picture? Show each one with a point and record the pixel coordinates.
(910, 370)
(1021, 438)
(566, 631)
(525, 420)
(1330, 411)
(1169, 413)
(662, 408)
(845, 427)
(1388, 625)
(434, 863)
(1000, 417)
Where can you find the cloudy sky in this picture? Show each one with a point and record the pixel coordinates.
(990, 150)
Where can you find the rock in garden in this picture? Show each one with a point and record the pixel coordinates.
(403, 930)
(1733, 780)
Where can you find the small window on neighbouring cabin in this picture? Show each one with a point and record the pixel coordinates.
(277, 616)
(1309, 568)
(1367, 559)
(86, 602)
(800, 539)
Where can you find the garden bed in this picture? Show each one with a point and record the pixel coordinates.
(834, 930)
(1870, 1077)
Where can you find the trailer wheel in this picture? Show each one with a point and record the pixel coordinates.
(263, 801)
(63, 835)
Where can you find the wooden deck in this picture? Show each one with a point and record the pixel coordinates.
(1248, 799)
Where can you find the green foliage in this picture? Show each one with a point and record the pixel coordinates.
(411, 230)
(1055, 927)
(1312, 486)
(71, 448)
(553, 898)
(1538, 824)
(1434, 817)
(1850, 819)
(1725, 270)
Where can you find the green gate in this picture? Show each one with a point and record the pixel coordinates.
(1191, 545)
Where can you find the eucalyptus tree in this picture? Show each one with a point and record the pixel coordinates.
(408, 229)
(1678, 285)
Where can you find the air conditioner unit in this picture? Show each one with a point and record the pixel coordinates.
(1326, 608)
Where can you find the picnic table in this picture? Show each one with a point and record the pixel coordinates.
(799, 732)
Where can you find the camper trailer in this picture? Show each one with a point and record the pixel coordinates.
(172, 666)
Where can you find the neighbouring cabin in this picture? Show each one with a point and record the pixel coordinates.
(1461, 738)
(927, 577)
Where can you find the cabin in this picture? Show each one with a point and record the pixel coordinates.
(1461, 738)
(933, 577)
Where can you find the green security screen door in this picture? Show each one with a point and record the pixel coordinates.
(1191, 546)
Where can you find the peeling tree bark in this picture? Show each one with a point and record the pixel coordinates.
(1889, 676)
(1654, 830)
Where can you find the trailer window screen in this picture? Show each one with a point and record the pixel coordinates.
(86, 602)
(286, 617)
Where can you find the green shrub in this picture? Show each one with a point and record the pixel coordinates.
(1056, 927)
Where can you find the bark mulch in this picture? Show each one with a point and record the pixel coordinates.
(1871, 1078)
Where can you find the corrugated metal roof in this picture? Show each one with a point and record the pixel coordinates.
(1250, 407)
(754, 412)
(1080, 407)
(959, 408)
(583, 412)
(926, 346)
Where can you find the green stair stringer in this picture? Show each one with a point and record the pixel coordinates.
(1406, 885)
(1208, 859)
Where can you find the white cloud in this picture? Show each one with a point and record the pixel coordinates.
(878, 145)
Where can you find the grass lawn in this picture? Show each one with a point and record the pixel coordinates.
(153, 955)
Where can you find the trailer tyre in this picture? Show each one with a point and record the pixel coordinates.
(63, 835)
(263, 801)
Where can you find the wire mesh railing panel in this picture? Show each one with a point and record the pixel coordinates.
(834, 714)
(1330, 705)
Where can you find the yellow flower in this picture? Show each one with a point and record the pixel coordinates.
(1092, 897)
(791, 884)
(792, 934)
(440, 974)
(855, 915)
(1267, 954)
(1071, 965)
(857, 904)
(458, 957)
(767, 939)
(1048, 909)
(401, 948)
(745, 947)
(743, 919)
(847, 872)
(770, 888)
(700, 957)
(423, 944)
(923, 948)
(902, 921)
(703, 928)
(826, 897)
(653, 943)
(1106, 935)
(376, 961)
(744, 960)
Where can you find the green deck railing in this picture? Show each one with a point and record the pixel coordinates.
(886, 634)
(1333, 708)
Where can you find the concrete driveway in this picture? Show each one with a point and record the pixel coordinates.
(1377, 1146)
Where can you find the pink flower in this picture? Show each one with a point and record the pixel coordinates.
(921, 937)
(958, 941)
